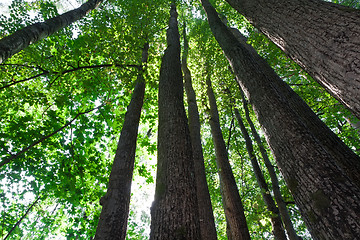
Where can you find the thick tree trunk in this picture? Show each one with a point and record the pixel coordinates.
(327, 199)
(276, 221)
(235, 218)
(174, 213)
(24, 37)
(322, 37)
(207, 223)
(115, 204)
(274, 180)
(344, 156)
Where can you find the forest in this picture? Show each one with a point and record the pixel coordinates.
(181, 119)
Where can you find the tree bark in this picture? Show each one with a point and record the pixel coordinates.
(322, 37)
(24, 37)
(234, 211)
(274, 180)
(174, 213)
(275, 217)
(327, 199)
(115, 204)
(344, 156)
(207, 223)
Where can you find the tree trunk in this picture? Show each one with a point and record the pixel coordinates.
(115, 204)
(322, 37)
(236, 222)
(207, 223)
(274, 180)
(344, 156)
(24, 37)
(276, 221)
(327, 199)
(174, 213)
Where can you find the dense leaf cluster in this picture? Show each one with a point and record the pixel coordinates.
(63, 101)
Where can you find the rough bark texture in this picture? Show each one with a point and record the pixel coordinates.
(285, 217)
(175, 209)
(327, 199)
(235, 218)
(115, 204)
(276, 221)
(24, 37)
(322, 37)
(207, 223)
(344, 156)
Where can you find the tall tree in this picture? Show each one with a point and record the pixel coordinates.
(344, 156)
(276, 221)
(115, 204)
(274, 180)
(306, 31)
(234, 210)
(325, 195)
(24, 37)
(174, 213)
(206, 216)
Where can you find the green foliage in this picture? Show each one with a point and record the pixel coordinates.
(91, 67)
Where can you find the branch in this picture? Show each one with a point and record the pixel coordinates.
(45, 72)
(44, 138)
(23, 216)
(231, 125)
(24, 80)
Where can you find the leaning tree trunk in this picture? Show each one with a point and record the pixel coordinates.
(344, 156)
(327, 199)
(24, 37)
(206, 216)
(275, 217)
(174, 213)
(115, 204)
(274, 180)
(322, 37)
(234, 212)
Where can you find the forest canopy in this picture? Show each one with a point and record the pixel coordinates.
(64, 100)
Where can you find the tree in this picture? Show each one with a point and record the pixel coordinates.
(274, 180)
(278, 229)
(234, 210)
(114, 215)
(344, 156)
(175, 209)
(33, 33)
(207, 224)
(303, 161)
(63, 103)
(306, 32)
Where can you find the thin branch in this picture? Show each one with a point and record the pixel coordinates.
(46, 72)
(24, 80)
(231, 125)
(45, 137)
(23, 216)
